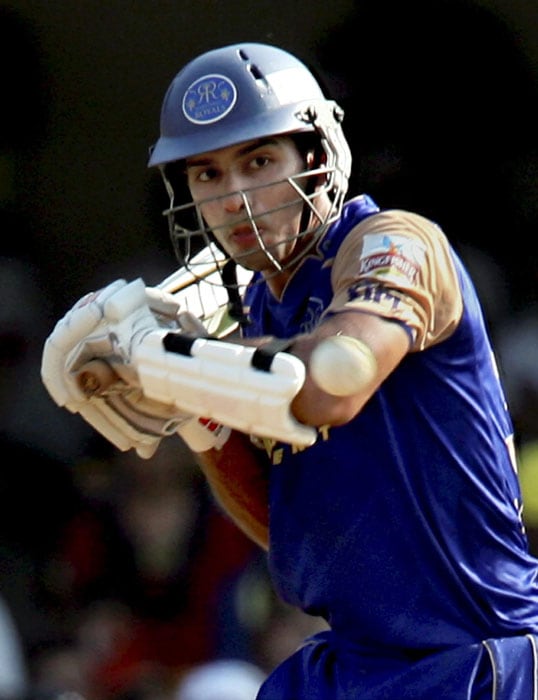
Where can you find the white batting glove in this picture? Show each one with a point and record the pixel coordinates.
(107, 324)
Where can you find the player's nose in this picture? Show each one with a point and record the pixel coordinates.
(234, 200)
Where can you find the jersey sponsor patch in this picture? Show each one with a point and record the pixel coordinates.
(391, 258)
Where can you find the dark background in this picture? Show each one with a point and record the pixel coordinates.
(440, 97)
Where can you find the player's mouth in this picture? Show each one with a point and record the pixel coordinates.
(245, 237)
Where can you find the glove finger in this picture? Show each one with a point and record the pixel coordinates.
(83, 318)
(58, 380)
(147, 451)
(95, 418)
(75, 325)
(162, 303)
(124, 313)
(113, 427)
(143, 421)
(189, 323)
(125, 300)
(52, 363)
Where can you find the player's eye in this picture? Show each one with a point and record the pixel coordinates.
(259, 162)
(206, 175)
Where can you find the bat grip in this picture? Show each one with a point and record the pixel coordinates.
(95, 377)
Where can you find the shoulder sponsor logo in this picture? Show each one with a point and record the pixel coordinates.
(391, 257)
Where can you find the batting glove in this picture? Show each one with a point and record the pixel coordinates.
(107, 324)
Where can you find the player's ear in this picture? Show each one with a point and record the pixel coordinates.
(317, 158)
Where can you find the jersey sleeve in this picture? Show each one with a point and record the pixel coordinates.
(399, 265)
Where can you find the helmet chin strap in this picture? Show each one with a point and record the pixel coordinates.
(235, 305)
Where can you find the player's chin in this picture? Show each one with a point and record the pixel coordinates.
(257, 260)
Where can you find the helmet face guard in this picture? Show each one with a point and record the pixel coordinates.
(240, 93)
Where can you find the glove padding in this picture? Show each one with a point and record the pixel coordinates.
(107, 324)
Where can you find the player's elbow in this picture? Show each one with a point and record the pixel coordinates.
(313, 406)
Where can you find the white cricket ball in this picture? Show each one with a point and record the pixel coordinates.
(342, 365)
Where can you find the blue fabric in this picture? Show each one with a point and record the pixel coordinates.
(515, 668)
(362, 527)
(324, 670)
(309, 292)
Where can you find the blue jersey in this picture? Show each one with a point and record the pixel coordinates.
(403, 527)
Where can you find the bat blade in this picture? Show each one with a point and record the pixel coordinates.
(199, 290)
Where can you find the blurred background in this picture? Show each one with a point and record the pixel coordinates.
(118, 576)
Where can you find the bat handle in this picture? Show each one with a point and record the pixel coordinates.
(95, 377)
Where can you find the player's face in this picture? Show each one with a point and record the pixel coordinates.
(246, 200)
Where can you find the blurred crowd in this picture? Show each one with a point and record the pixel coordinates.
(119, 577)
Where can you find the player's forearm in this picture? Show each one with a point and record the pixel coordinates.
(239, 480)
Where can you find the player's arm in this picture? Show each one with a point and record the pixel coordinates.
(384, 345)
(396, 289)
